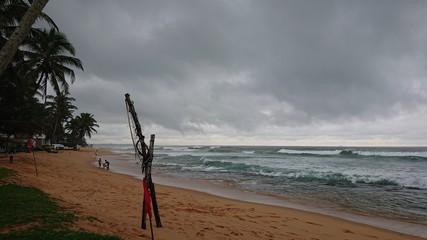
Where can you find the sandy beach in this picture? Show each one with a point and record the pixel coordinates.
(110, 203)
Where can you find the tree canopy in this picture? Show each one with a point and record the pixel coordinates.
(44, 57)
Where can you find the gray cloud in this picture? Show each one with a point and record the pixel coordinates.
(259, 68)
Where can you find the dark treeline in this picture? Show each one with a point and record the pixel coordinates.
(45, 59)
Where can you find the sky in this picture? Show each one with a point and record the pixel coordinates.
(250, 72)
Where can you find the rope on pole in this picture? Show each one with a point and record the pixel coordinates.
(145, 155)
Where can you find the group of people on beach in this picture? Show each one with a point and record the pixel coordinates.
(105, 165)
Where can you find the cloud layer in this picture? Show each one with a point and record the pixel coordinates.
(253, 72)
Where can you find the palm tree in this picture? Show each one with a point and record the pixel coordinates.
(9, 49)
(16, 72)
(61, 109)
(50, 57)
(20, 111)
(11, 12)
(81, 126)
(73, 131)
(87, 124)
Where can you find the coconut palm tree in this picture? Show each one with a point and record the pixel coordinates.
(87, 124)
(16, 73)
(11, 46)
(61, 110)
(50, 57)
(81, 126)
(11, 12)
(20, 111)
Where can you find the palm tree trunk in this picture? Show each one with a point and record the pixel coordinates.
(10, 48)
(54, 129)
(38, 83)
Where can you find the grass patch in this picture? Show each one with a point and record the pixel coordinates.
(29, 213)
(5, 173)
(41, 234)
(20, 205)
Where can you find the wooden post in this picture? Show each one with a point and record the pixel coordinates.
(151, 186)
(144, 215)
(147, 158)
(155, 207)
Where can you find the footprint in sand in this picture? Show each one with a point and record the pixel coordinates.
(348, 231)
(314, 224)
(236, 233)
(201, 233)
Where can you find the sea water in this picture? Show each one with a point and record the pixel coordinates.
(389, 183)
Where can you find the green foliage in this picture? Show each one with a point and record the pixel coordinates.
(5, 173)
(49, 63)
(46, 57)
(60, 109)
(27, 204)
(41, 234)
(28, 213)
(81, 126)
(20, 111)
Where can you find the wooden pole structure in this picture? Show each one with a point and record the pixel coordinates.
(147, 162)
(151, 185)
(147, 158)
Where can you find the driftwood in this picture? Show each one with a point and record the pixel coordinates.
(146, 157)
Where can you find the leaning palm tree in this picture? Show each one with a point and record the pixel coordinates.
(11, 13)
(52, 56)
(11, 46)
(61, 109)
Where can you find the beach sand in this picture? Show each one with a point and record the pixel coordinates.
(110, 203)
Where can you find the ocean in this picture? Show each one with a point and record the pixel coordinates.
(383, 186)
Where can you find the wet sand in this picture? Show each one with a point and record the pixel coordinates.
(110, 203)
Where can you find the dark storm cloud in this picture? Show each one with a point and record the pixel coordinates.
(346, 60)
(194, 66)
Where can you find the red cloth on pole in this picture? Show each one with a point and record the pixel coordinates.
(147, 198)
(30, 144)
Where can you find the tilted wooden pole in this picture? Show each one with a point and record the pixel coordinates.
(147, 158)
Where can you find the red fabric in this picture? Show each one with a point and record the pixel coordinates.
(30, 144)
(147, 198)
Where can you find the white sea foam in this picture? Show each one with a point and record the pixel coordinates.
(248, 152)
(314, 152)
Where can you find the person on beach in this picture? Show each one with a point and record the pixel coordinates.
(99, 162)
(107, 164)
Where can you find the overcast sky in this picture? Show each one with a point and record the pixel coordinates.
(252, 72)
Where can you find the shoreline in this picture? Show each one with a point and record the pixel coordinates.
(214, 189)
(220, 190)
(114, 200)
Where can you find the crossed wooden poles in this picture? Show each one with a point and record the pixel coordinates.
(147, 158)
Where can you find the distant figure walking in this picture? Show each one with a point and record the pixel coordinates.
(99, 163)
(107, 164)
